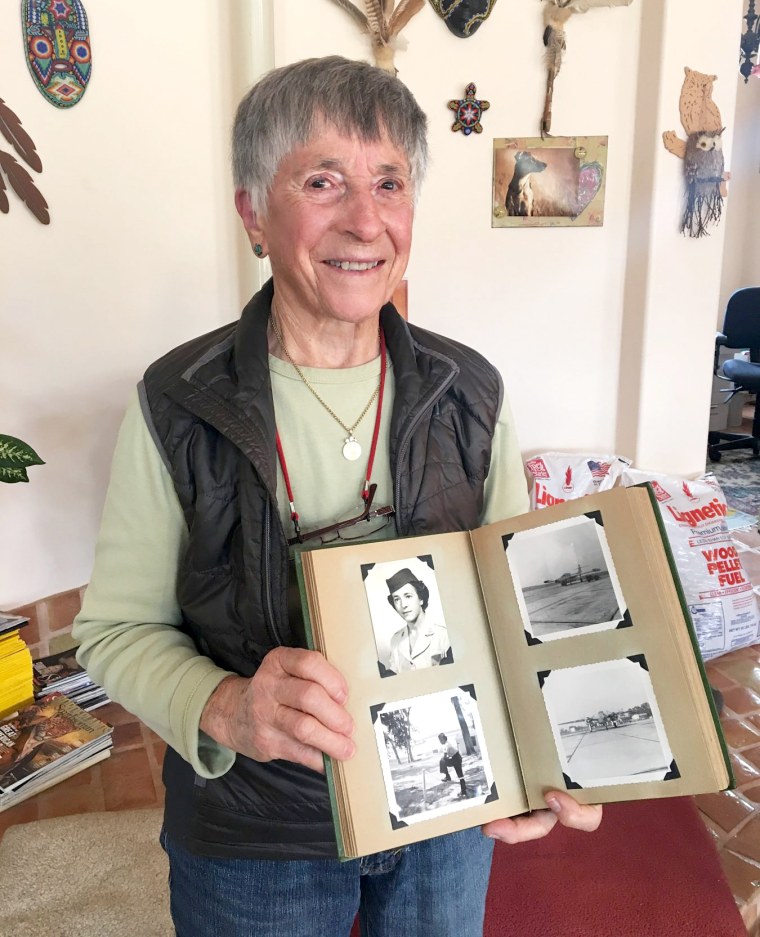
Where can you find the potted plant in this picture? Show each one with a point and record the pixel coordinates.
(15, 456)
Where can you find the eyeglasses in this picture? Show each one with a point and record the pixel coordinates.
(364, 525)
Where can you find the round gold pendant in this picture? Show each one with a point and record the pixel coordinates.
(351, 449)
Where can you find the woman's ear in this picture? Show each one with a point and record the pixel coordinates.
(250, 219)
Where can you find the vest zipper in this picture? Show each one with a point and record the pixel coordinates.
(433, 397)
(274, 633)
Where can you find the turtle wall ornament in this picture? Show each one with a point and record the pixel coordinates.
(463, 17)
(469, 111)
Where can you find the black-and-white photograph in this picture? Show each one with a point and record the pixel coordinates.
(407, 616)
(433, 754)
(606, 723)
(565, 579)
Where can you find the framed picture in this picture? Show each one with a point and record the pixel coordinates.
(551, 182)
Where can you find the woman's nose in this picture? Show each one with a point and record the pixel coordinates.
(362, 217)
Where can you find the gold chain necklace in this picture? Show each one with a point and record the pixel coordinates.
(352, 450)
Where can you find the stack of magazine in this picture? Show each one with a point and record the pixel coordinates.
(15, 665)
(61, 673)
(45, 743)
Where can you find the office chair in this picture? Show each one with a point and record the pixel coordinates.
(741, 329)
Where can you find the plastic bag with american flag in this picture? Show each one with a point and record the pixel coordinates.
(560, 476)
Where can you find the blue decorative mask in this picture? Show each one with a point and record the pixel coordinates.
(58, 48)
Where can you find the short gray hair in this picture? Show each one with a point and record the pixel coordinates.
(281, 110)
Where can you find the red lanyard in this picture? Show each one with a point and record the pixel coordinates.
(375, 433)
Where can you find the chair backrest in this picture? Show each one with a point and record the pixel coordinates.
(741, 324)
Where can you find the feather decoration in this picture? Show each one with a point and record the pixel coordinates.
(19, 139)
(556, 15)
(22, 184)
(403, 13)
(4, 205)
(383, 20)
(355, 13)
(378, 25)
(581, 6)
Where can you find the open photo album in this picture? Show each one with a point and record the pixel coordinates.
(549, 651)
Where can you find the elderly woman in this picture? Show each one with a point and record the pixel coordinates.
(239, 446)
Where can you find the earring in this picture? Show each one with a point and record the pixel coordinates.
(258, 250)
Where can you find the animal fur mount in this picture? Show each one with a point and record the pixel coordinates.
(702, 153)
(18, 178)
(382, 20)
(556, 14)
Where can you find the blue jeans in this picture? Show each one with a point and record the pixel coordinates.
(435, 888)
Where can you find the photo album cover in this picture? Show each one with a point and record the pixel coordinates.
(548, 651)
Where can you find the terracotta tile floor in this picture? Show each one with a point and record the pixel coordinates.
(733, 817)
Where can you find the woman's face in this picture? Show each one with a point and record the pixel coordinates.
(338, 226)
(407, 603)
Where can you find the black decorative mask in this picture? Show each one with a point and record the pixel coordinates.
(463, 17)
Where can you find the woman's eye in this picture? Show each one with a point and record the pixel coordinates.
(389, 184)
(318, 183)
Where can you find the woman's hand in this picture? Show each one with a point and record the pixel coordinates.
(562, 807)
(291, 708)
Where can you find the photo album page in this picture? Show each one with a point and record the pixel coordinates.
(605, 687)
(405, 623)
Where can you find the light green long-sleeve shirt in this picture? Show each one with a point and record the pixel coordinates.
(128, 629)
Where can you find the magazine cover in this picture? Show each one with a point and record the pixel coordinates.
(61, 669)
(44, 734)
(11, 622)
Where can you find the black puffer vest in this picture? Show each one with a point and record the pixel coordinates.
(209, 404)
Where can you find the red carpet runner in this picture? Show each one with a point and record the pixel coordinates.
(650, 870)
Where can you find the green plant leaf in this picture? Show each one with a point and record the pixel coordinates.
(11, 475)
(16, 454)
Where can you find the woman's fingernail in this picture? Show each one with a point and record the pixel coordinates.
(553, 804)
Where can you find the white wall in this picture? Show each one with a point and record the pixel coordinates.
(741, 260)
(142, 253)
(604, 335)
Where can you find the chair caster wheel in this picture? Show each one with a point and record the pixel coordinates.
(714, 454)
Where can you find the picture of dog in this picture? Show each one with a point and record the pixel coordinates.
(548, 182)
(520, 192)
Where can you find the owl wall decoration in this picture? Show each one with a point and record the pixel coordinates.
(702, 154)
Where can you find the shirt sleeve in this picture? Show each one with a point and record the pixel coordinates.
(506, 489)
(128, 628)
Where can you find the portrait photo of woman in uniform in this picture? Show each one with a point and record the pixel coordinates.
(415, 636)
